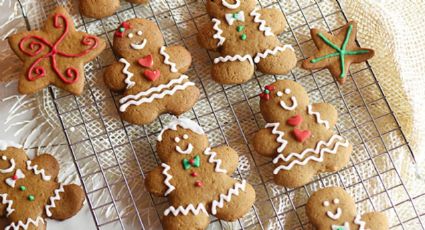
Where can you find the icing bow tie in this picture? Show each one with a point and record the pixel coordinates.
(12, 180)
(231, 18)
(193, 162)
(265, 95)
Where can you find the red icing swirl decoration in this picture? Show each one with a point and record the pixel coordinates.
(33, 46)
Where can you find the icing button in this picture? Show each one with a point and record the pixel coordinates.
(199, 184)
(22, 188)
(31, 198)
(243, 37)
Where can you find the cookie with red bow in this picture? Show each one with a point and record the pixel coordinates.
(149, 74)
(299, 136)
(196, 179)
(29, 191)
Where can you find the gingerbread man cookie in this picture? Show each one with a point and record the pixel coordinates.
(56, 54)
(196, 178)
(333, 209)
(29, 192)
(245, 36)
(150, 74)
(102, 8)
(337, 52)
(299, 135)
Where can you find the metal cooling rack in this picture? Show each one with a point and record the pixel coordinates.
(117, 155)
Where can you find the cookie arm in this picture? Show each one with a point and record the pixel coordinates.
(275, 20)
(67, 204)
(47, 163)
(327, 113)
(229, 158)
(206, 37)
(154, 182)
(115, 76)
(181, 56)
(265, 142)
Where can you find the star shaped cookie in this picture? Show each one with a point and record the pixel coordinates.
(337, 52)
(56, 54)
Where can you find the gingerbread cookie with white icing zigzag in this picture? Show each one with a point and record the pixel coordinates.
(333, 208)
(245, 37)
(298, 135)
(196, 178)
(149, 74)
(29, 192)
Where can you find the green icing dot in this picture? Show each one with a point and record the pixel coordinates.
(267, 91)
(240, 28)
(31, 198)
(22, 188)
(243, 37)
(235, 15)
(122, 29)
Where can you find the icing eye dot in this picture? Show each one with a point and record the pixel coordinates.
(139, 33)
(326, 203)
(336, 201)
(185, 136)
(287, 91)
(4, 158)
(279, 93)
(177, 139)
(130, 35)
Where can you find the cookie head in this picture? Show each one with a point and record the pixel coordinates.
(137, 37)
(180, 138)
(282, 97)
(331, 205)
(218, 8)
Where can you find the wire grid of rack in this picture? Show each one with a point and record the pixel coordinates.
(112, 157)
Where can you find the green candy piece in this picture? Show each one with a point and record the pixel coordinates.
(31, 198)
(240, 28)
(243, 37)
(22, 188)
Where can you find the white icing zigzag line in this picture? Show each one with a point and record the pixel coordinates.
(267, 30)
(168, 177)
(185, 211)
(318, 150)
(53, 199)
(234, 58)
(38, 171)
(127, 73)
(9, 203)
(21, 224)
(232, 191)
(279, 138)
(268, 52)
(219, 32)
(212, 160)
(359, 222)
(317, 115)
(126, 104)
(167, 60)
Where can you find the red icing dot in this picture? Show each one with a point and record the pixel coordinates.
(199, 184)
(14, 177)
(191, 161)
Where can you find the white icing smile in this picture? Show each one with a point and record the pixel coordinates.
(189, 148)
(284, 105)
(11, 168)
(336, 215)
(231, 6)
(139, 46)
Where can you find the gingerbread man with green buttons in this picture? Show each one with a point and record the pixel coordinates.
(245, 36)
(196, 178)
(29, 192)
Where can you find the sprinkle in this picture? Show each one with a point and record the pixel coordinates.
(31, 198)
(22, 188)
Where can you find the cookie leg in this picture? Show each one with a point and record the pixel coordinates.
(295, 177)
(186, 222)
(232, 72)
(68, 203)
(281, 62)
(238, 206)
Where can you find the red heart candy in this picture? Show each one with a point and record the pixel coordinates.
(295, 120)
(146, 61)
(301, 135)
(152, 75)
